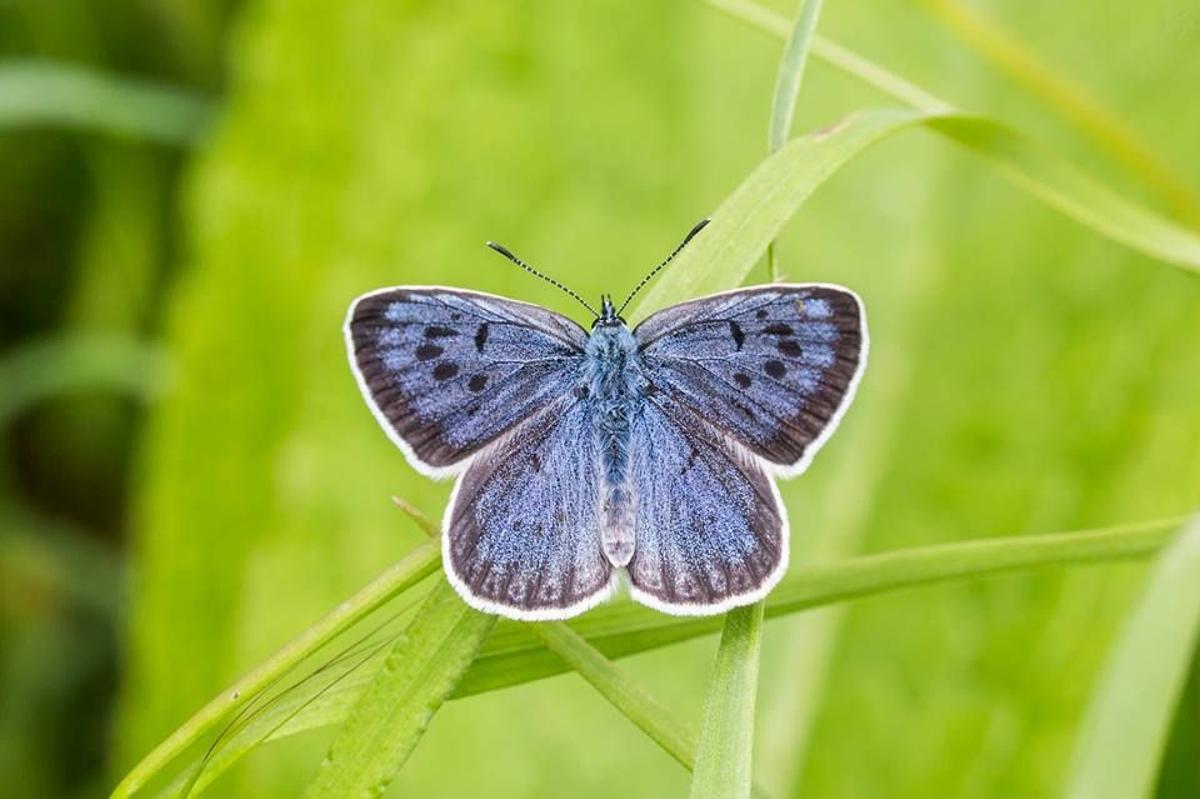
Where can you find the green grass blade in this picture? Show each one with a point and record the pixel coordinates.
(43, 369)
(1047, 176)
(724, 252)
(1073, 102)
(407, 572)
(513, 654)
(1068, 189)
(791, 74)
(752, 216)
(634, 702)
(1125, 731)
(390, 717)
(45, 93)
(788, 78)
(836, 55)
(727, 738)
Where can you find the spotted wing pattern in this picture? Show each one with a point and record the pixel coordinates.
(447, 371)
(522, 530)
(773, 367)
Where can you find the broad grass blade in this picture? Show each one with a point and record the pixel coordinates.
(1125, 730)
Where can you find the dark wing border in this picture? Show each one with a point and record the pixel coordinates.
(516, 612)
(772, 578)
(786, 471)
(410, 455)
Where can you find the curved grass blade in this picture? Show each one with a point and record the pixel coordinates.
(514, 655)
(791, 74)
(634, 702)
(1073, 102)
(407, 572)
(727, 739)
(788, 78)
(392, 714)
(45, 93)
(836, 55)
(1062, 185)
(251, 726)
(725, 252)
(42, 369)
(1125, 730)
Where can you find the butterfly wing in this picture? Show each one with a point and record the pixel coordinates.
(448, 371)
(773, 367)
(522, 529)
(711, 532)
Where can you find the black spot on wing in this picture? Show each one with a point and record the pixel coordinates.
(775, 369)
(427, 352)
(481, 337)
(778, 329)
(742, 380)
(445, 370)
(739, 336)
(477, 383)
(437, 331)
(789, 347)
(760, 314)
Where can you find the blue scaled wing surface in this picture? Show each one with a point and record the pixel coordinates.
(446, 372)
(524, 523)
(470, 384)
(741, 387)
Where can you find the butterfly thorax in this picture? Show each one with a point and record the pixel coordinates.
(615, 376)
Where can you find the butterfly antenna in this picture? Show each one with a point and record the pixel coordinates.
(691, 235)
(500, 248)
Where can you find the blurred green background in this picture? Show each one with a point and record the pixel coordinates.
(190, 477)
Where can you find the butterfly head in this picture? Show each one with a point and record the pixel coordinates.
(609, 316)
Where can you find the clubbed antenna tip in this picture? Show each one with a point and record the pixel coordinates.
(508, 254)
(691, 235)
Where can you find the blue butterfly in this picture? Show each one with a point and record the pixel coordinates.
(581, 454)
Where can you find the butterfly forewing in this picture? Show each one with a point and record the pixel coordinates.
(773, 366)
(448, 371)
(522, 530)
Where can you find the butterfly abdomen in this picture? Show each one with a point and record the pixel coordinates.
(615, 376)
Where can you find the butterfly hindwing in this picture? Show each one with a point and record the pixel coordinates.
(522, 530)
(772, 366)
(448, 371)
(711, 532)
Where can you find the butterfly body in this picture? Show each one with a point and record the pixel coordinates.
(617, 393)
(580, 453)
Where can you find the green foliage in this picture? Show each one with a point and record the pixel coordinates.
(723, 762)
(651, 717)
(45, 93)
(48, 369)
(393, 711)
(516, 653)
(1124, 734)
(1031, 377)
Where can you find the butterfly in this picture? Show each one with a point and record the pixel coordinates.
(582, 454)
